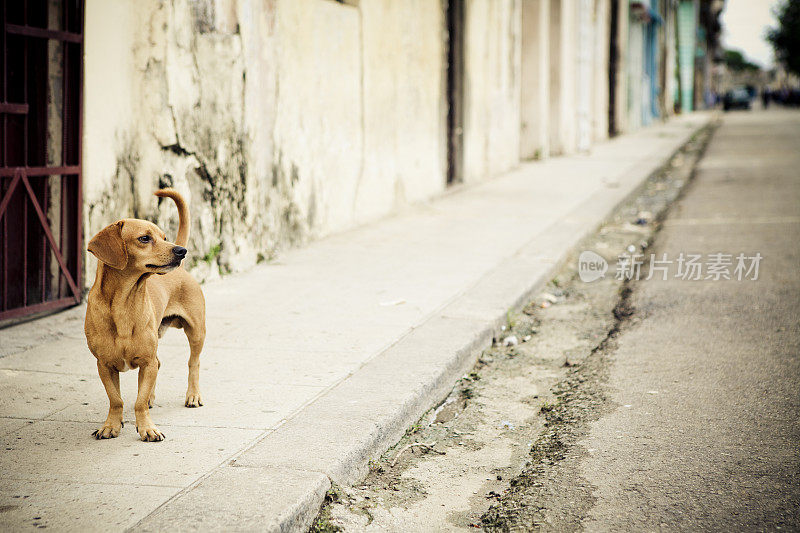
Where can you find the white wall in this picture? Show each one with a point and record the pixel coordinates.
(563, 74)
(621, 74)
(585, 78)
(600, 71)
(286, 120)
(108, 90)
(671, 63)
(318, 135)
(635, 74)
(279, 120)
(491, 87)
(535, 79)
(404, 58)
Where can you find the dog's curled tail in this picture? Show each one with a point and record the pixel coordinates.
(183, 214)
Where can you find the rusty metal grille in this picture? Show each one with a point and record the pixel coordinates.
(40, 165)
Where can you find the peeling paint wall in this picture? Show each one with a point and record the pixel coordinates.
(284, 120)
(535, 79)
(404, 105)
(600, 87)
(165, 85)
(492, 87)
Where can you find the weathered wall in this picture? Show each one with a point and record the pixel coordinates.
(564, 103)
(563, 119)
(318, 132)
(404, 106)
(635, 74)
(492, 87)
(279, 120)
(621, 87)
(670, 67)
(108, 110)
(584, 80)
(535, 79)
(287, 120)
(600, 71)
(166, 84)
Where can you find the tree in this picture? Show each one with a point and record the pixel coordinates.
(736, 61)
(785, 39)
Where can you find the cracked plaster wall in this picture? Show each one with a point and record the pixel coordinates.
(280, 120)
(493, 51)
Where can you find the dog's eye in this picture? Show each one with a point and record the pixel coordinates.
(144, 239)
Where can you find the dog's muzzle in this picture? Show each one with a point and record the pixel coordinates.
(179, 252)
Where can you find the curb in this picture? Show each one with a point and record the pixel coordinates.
(279, 483)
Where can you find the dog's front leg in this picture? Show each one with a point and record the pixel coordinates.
(147, 383)
(113, 424)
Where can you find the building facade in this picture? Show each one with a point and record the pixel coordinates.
(283, 121)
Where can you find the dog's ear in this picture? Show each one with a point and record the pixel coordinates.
(109, 247)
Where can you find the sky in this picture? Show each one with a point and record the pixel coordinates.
(744, 23)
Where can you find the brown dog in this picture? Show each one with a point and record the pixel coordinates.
(129, 309)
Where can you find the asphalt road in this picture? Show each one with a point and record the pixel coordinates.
(705, 383)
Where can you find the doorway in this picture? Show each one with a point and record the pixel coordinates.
(41, 63)
(613, 65)
(454, 19)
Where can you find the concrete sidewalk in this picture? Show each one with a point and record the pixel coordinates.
(313, 365)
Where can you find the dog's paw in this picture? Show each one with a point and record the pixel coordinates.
(150, 434)
(193, 399)
(107, 432)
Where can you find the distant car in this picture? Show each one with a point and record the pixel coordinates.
(738, 98)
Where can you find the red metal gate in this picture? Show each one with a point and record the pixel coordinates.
(41, 62)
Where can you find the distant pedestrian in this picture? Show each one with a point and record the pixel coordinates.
(765, 97)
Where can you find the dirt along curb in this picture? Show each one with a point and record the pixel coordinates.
(486, 456)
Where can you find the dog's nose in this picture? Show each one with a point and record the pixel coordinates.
(179, 251)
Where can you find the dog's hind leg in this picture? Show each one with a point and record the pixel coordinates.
(152, 400)
(196, 334)
(113, 423)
